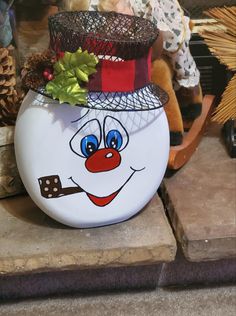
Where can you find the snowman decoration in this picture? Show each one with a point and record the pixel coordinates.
(94, 154)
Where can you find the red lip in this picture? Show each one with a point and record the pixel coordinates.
(102, 201)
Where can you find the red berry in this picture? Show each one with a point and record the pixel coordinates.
(50, 77)
(49, 70)
(45, 74)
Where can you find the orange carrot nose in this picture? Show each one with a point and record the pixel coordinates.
(102, 160)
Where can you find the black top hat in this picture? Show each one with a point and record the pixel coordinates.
(122, 46)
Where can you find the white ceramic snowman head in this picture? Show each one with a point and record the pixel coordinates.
(100, 163)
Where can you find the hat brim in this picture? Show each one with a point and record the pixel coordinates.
(150, 97)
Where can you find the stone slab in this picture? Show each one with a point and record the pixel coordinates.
(10, 182)
(32, 242)
(6, 135)
(201, 201)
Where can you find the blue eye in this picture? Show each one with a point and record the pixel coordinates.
(114, 139)
(89, 144)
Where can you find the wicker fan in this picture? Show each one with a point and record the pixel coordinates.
(222, 43)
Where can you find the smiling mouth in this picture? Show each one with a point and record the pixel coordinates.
(105, 200)
(102, 201)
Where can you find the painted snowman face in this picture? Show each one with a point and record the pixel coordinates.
(89, 168)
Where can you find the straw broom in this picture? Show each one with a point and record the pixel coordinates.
(222, 43)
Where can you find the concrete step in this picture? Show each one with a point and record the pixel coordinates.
(39, 256)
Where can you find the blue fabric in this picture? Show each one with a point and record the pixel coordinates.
(5, 26)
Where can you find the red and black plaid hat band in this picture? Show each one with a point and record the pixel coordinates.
(121, 76)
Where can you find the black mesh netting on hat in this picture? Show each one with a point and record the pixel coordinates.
(148, 98)
(102, 33)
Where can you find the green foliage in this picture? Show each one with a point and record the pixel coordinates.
(70, 73)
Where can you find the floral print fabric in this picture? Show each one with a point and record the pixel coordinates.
(169, 18)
